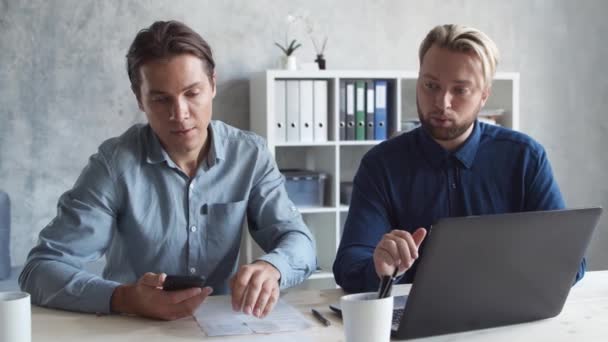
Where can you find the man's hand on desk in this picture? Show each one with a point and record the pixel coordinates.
(255, 288)
(397, 249)
(146, 298)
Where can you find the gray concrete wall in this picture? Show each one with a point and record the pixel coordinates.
(64, 89)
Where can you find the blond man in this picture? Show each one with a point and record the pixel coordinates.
(453, 165)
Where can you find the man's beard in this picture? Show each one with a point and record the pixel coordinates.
(445, 133)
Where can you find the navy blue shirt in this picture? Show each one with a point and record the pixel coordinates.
(410, 181)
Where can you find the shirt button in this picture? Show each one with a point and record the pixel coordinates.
(193, 229)
(192, 270)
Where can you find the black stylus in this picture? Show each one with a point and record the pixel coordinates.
(386, 285)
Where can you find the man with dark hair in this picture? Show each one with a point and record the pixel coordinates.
(170, 197)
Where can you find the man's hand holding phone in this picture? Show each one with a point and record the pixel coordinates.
(147, 297)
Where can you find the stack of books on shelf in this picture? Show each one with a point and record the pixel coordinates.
(363, 110)
(301, 110)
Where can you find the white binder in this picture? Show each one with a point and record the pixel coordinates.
(306, 110)
(293, 111)
(280, 109)
(320, 110)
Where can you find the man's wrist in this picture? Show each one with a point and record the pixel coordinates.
(120, 299)
(273, 267)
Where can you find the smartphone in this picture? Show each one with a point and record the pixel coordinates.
(178, 282)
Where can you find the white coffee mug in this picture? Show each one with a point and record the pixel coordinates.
(367, 318)
(15, 317)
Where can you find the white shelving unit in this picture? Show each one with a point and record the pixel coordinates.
(340, 159)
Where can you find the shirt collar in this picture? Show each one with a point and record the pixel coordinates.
(437, 155)
(155, 151)
(217, 150)
(157, 154)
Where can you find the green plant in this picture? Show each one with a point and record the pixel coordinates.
(288, 49)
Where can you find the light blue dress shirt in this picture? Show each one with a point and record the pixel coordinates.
(135, 206)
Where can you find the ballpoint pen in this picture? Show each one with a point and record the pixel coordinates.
(320, 318)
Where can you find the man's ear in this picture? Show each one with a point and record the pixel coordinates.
(485, 95)
(214, 83)
(138, 98)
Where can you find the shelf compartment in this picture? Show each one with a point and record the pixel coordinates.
(315, 210)
(322, 227)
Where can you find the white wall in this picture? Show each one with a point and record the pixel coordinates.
(64, 89)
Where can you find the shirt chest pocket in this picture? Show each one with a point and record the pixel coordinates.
(224, 222)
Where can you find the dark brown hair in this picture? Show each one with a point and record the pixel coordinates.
(165, 39)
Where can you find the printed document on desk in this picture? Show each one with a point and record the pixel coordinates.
(216, 318)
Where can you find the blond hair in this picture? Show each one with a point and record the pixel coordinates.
(464, 39)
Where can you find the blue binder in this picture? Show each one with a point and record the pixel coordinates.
(380, 123)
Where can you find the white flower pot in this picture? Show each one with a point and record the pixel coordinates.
(290, 63)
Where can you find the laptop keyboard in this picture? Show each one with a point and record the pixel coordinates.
(399, 308)
(397, 314)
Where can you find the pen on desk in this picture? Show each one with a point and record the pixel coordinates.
(320, 318)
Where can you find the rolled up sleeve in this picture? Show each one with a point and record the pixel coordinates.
(80, 233)
(277, 226)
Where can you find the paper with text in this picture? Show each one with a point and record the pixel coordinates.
(216, 318)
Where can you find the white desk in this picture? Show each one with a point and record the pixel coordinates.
(584, 318)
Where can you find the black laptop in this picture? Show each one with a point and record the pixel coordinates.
(487, 271)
